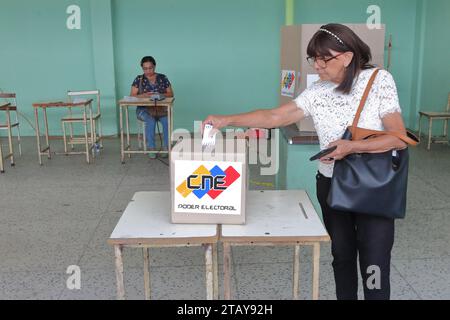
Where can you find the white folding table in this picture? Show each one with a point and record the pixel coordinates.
(277, 217)
(145, 223)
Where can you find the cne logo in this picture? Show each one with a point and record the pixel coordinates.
(211, 182)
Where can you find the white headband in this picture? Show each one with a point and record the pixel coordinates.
(332, 34)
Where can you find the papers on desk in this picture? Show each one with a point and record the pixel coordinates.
(131, 99)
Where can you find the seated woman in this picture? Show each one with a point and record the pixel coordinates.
(144, 86)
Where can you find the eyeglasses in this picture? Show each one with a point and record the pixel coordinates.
(149, 68)
(321, 62)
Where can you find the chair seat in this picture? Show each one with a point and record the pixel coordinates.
(435, 114)
(79, 117)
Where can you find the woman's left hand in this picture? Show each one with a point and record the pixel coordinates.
(344, 147)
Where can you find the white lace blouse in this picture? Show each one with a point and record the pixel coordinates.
(333, 111)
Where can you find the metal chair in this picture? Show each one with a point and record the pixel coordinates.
(94, 118)
(436, 115)
(142, 139)
(9, 106)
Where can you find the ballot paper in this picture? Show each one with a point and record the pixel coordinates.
(209, 136)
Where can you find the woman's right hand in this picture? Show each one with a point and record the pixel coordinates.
(216, 121)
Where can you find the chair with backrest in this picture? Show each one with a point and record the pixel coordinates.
(8, 104)
(436, 115)
(94, 119)
(142, 139)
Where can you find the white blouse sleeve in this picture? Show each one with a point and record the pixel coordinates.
(387, 93)
(303, 101)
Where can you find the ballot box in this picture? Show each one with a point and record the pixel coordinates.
(209, 184)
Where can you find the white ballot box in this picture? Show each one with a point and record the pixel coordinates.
(209, 185)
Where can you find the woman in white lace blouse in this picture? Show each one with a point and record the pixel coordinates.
(342, 61)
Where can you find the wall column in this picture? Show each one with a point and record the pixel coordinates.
(103, 61)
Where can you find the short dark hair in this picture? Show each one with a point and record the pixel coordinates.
(322, 42)
(148, 59)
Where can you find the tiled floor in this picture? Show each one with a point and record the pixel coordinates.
(62, 213)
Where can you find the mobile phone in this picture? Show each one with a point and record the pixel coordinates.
(322, 153)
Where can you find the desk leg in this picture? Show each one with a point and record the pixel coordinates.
(92, 131)
(430, 127)
(11, 150)
(146, 252)
(2, 169)
(316, 260)
(46, 133)
(209, 272)
(128, 130)
(86, 137)
(445, 128)
(122, 157)
(420, 125)
(227, 270)
(38, 134)
(119, 272)
(170, 124)
(296, 275)
(63, 125)
(215, 272)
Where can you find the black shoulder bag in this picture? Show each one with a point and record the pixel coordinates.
(371, 183)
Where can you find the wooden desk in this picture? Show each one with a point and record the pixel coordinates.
(145, 102)
(436, 115)
(87, 114)
(278, 217)
(146, 223)
(431, 115)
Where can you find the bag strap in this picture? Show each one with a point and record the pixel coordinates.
(410, 138)
(141, 80)
(361, 133)
(363, 101)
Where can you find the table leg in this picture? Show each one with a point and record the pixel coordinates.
(170, 124)
(18, 134)
(146, 252)
(122, 157)
(215, 271)
(2, 170)
(38, 134)
(63, 125)
(227, 270)
(296, 275)
(445, 128)
(420, 125)
(11, 150)
(209, 271)
(86, 139)
(316, 260)
(430, 127)
(46, 133)
(127, 119)
(71, 130)
(119, 272)
(92, 131)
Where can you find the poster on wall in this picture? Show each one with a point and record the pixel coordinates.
(288, 79)
(208, 187)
